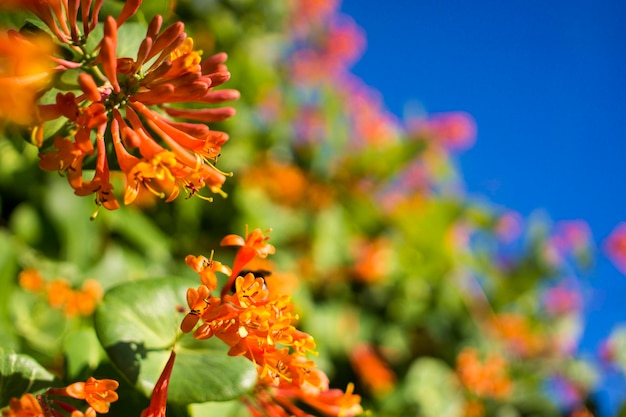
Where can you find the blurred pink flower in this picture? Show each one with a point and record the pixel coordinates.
(572, 235)
(509, 226)
(371, 123)
(305, 13)
(453, 130)
(338, 45)
(615, 247)
(561, 300)
(569, 238)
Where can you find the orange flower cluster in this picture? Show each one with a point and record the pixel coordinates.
(61, 295)
(516, 334)
(488, 378)
(482, 379)
(130, 102)
(98, 393)
(257, 322)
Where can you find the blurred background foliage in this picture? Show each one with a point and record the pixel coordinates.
(434, 304)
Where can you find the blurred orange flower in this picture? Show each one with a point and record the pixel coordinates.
(371, 259)
(372, 370)
(31, 280)
(486, 379)
(516, 334)
(25, 69)
(26, 406)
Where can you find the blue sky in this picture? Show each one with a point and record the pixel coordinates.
(546, 83)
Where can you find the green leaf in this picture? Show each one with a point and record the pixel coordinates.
(137, 323)
(83, 352)
(8, 271)
(20, 374)
(431, 384)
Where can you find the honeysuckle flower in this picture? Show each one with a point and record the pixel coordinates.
(486, 379)
(131, 100)
(375, 374)
(26, 406)
(61, 295)
(158, 400)
(517, 335)
(90, 412)
(98, 393)
(372, 259)
(250, 246)
(67, 158)
(330, 402)
(25, 72)
(256, 321)
(83, 302)
(206, 269)
(59, 291)
(31, 280)
(198, 301)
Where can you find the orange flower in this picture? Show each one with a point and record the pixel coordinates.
(374, 373)
(83, 302)
(99, 394)
(26, 406)
(31, 280)
(474, 408)
(487, 379)
(90, 412)
(331, 402)
(515, 332)
(198, 301)
(284, 183)
(207, 268)
(25, 71)
(59, 291)
(253, 244)
(372, 259)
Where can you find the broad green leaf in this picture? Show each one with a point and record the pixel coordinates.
(222, 409)
(82, 351)
(20, 374)
(137, 323)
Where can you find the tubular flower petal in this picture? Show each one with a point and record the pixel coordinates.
(158, 400)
